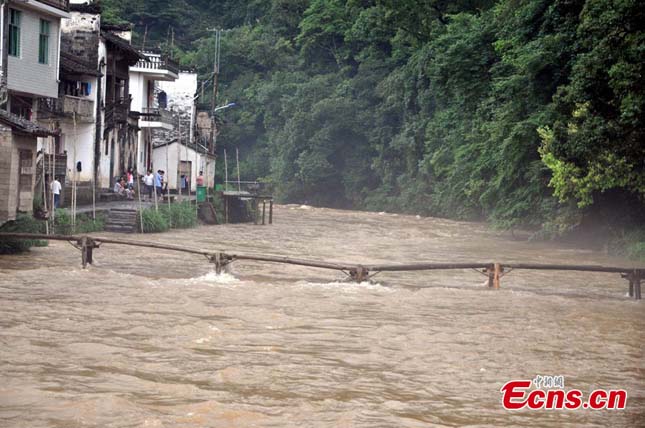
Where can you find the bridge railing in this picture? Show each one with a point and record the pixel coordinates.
(356, 272)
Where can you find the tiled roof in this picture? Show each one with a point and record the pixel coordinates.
(24, 126)
(71, 64)
(122, 44)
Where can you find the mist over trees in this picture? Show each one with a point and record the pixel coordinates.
(521, 112)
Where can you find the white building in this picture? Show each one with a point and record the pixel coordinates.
(180, 96)
(30, 66)
(189, 157)
(29, 70)
(98, 133)
(184, 159)
(154, 115)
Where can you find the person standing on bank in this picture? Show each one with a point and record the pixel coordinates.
(55, 189)
(130, 177)
(158, 182)
(149, 182)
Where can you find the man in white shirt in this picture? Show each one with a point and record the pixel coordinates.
(56, 188)
(149, 181)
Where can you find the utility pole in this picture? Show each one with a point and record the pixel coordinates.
(216, 63)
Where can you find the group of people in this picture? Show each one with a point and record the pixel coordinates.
(124, 185)
(154, 182)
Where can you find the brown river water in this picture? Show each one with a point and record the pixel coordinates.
(153, 338)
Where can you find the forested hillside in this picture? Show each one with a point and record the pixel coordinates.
(521, 112)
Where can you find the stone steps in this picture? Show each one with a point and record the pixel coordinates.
(122, 221)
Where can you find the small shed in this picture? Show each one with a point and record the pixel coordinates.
(247, 207)
(184, 159)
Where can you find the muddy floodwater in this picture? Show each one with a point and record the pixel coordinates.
(153, 338)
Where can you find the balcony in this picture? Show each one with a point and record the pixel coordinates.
(155, 118)
(157, 67)
(117, 111)
(66, 107)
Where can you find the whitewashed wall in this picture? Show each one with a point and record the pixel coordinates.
(182, 153)
(25, 73)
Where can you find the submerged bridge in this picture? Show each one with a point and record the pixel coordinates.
(356, 272)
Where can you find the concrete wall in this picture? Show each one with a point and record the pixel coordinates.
(79, 147)
(11, 200)
(25, 74)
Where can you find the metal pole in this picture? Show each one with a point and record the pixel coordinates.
(140, 207)
(154, 182)
(94, 188)
(53, 177)
(196, 175)
(237, 156)
(168, 183)
(181, 196)
(225, 171)
(215, 87)
(264, 210)
(45, 182)
(75, 176)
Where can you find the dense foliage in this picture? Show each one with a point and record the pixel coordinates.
(85, 223)
(23, 224)
(523, 112)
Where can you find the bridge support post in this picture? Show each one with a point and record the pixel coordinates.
(497, 275)
(494, 272)
(87, 250)
(490, 270)
(264, 212)
(359, 274)
(637, 285)
(256, 208)
(634, 279)
(220, 260)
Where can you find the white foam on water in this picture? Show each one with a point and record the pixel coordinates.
(213, 278)
(347, 287)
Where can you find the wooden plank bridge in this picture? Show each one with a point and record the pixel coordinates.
(357, 273)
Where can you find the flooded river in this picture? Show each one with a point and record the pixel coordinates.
(151, 338)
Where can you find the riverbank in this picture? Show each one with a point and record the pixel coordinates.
(181, 215)
(178, 215)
